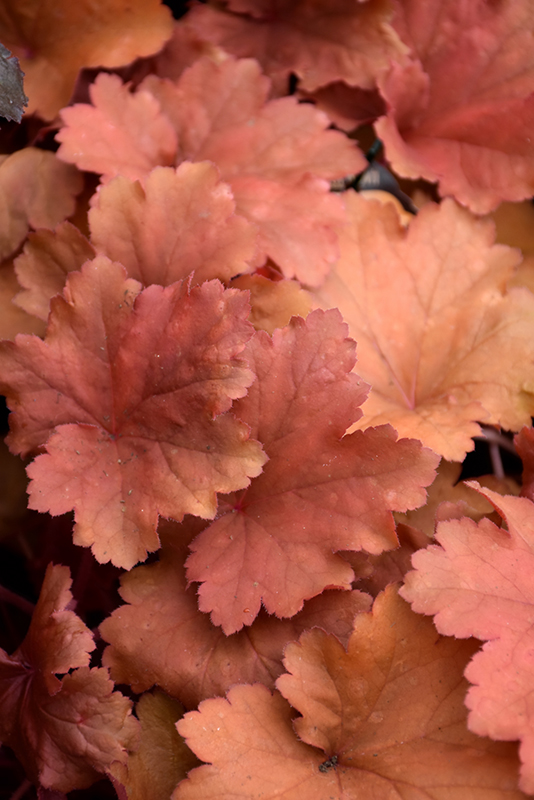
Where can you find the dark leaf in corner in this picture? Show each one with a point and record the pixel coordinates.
(12, 97)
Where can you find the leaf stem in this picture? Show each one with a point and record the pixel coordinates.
(491, 435)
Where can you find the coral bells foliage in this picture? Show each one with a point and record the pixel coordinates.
(134, 423)
(65, 731)
(266, 389)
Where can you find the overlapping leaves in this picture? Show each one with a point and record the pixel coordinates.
(320, 491)
(67, 731)
(277, 155)
(134, 387)
(384, 720)
(478, 582)
(179, 222)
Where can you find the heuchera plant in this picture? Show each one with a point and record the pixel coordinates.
(246, 367)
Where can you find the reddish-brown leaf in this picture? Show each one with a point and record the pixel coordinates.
(161, 637)
(319, 43)
(384, 720)
(65, 732)
(375, 573)
(347, 106)
(135, 386)
(462, 111)
(162, 759)
(320, 492)
(440, 340)
(479, 583)
(54, 39)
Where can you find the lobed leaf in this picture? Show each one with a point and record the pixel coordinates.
(320, 492)
(133, 386)
(385, 719)
(36, 191)
(65, 732)
(441, 341)
(461, 111)
(46, 260)
(278, 156)
(162, 758)
(478, 582)
(178, 222)
(160, 637)
(122, 133)
(340, 42)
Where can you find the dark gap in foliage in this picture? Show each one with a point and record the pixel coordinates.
(177, 7)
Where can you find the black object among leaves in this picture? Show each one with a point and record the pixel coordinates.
(12, 97)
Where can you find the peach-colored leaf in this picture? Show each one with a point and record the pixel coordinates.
(280, 140)
(384, 720)
(135, 386)
(122, 133)
(36, 191)
(320, 492)
(178, 222)
(13, 319)
(54, 39)
(461, 112)
(478, 582)
(273, 303)
(441, 342)
(44, 264)
(277, 156)
(297, 225)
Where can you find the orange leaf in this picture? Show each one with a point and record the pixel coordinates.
(161, 637)
(54, 39)
(439, 339)
(321, 491)
(36, 191)
(384, 720)
(43, 266)
(277, 156)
